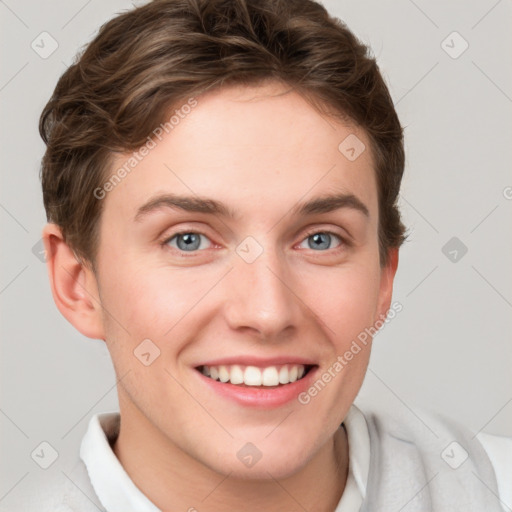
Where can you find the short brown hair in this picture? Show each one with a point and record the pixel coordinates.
(145, 61)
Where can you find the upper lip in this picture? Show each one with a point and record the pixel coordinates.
(258, 361)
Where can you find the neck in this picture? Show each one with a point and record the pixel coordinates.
(173, 480)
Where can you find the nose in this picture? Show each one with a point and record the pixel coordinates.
(260, 297)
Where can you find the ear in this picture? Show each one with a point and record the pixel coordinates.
(74, 286)
(387, 277)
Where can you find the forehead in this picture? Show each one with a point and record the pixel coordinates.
(248, 147)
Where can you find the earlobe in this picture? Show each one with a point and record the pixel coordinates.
(73, 284)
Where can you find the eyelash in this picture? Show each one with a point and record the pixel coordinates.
(344, 243)
(313, 231)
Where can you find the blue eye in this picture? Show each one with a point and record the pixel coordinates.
(187, 241)
(190, 241)
(321, 240)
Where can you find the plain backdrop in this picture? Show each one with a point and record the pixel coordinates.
(448, 66)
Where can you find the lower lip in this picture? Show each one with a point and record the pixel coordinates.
(262, 397)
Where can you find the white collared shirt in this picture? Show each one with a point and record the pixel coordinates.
(116, 490)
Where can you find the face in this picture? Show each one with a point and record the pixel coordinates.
(258, 277)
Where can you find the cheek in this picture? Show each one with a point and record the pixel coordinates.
(345, 299)
(151, 302)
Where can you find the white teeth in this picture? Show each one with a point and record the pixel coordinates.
(270, 376)
(223, 374)
(254, 376)
(237, 375)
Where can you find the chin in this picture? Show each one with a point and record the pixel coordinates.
(251, 463)
(280, 469)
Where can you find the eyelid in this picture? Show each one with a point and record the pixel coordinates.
(344, 239)
(168, 238)
(181, 228)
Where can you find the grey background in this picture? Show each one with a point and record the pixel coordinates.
(449, 349)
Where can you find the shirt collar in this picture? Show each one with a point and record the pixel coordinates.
(358, 447)
(114, 487)
(116, 490)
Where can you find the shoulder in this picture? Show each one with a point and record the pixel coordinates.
(499, 450)
(54, 491)
(422, 445)
(421, 423)
(431, 429)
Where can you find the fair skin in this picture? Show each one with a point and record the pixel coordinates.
(261, 153)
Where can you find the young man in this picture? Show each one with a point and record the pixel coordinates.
(221, 182)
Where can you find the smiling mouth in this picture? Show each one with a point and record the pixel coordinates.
(254, 376)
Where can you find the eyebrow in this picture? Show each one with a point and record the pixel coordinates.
(197, 204)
